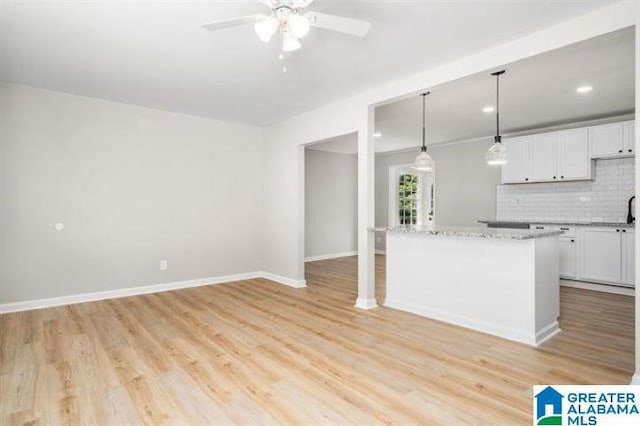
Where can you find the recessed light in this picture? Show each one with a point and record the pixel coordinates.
(488, 109)
(377, 135)
(584, 89)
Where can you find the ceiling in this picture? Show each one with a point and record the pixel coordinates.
(536, 92)
(154, 53)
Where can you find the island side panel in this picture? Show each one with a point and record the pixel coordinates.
(486, 284)
(547, 288)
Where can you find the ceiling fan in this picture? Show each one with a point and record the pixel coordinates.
(289, 18)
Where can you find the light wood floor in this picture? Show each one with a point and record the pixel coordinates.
(256, 352)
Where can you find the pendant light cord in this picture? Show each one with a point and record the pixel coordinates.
(424, 122)
(498, 138)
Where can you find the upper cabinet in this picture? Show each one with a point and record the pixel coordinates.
(544, 162)
(567, 154)
(518, 167)
(610, 140)
(628, 137)
(574, 162)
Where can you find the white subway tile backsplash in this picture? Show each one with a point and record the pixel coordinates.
(603, 199)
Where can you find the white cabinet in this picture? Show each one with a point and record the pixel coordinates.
(566, 154)
(628, 139)
(543, 157)
(628, 256)
(517, 169)
(606, 140)
(601, 254)
(574, 161)
(568, 258)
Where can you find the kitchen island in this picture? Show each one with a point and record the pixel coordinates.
(503, 282)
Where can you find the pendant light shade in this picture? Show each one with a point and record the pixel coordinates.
(424, 162)
(497, 153)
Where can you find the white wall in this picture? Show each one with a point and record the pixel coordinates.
(131, 185)
(284, 163)
(331, 205)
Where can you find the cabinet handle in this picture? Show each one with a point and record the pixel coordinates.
(526, 179)
(564, 229)
(619, 150)
(539, 227)
(617, 230)
(561, 177)
(554, 177)
(630, 150)
(624, 230)
(573, 241)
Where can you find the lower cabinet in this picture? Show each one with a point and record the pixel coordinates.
(629, 257)
(568, 258)
(607, 255)
(601, 254)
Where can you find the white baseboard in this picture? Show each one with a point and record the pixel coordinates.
(366, 303)
(604, 288)
(635, 380)
(134, 291)
(473, 324)
(330, 256)
(284, 280)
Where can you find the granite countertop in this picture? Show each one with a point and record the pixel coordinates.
(475, 232)
(559, 223)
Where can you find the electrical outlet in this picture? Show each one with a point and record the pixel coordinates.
(164, 265)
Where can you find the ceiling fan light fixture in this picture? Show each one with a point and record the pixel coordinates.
(289, 42)
(299, 25)
(266, 28)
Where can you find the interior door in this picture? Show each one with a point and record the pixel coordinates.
(543, 157)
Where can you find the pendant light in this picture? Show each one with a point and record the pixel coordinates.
(497, 153)
(424, 162)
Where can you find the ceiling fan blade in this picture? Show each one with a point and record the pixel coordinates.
(229, 23)
(269, 3)
(302, 3)
(338, 23)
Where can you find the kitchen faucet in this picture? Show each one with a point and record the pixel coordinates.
(630, 218)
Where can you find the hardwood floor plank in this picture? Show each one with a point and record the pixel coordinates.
(256, 352)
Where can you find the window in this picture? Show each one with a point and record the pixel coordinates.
(408, 199)
(411, 198)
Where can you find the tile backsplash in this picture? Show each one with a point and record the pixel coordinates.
(603, 199)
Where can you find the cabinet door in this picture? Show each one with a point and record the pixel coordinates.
(517, 168)
(602, 254)
(606, 140)
(629, 257)
(543, 157)
(574, 161)
(568, 258)
(629, 137)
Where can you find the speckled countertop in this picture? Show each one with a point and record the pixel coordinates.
(552, 223)
(475, 232)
